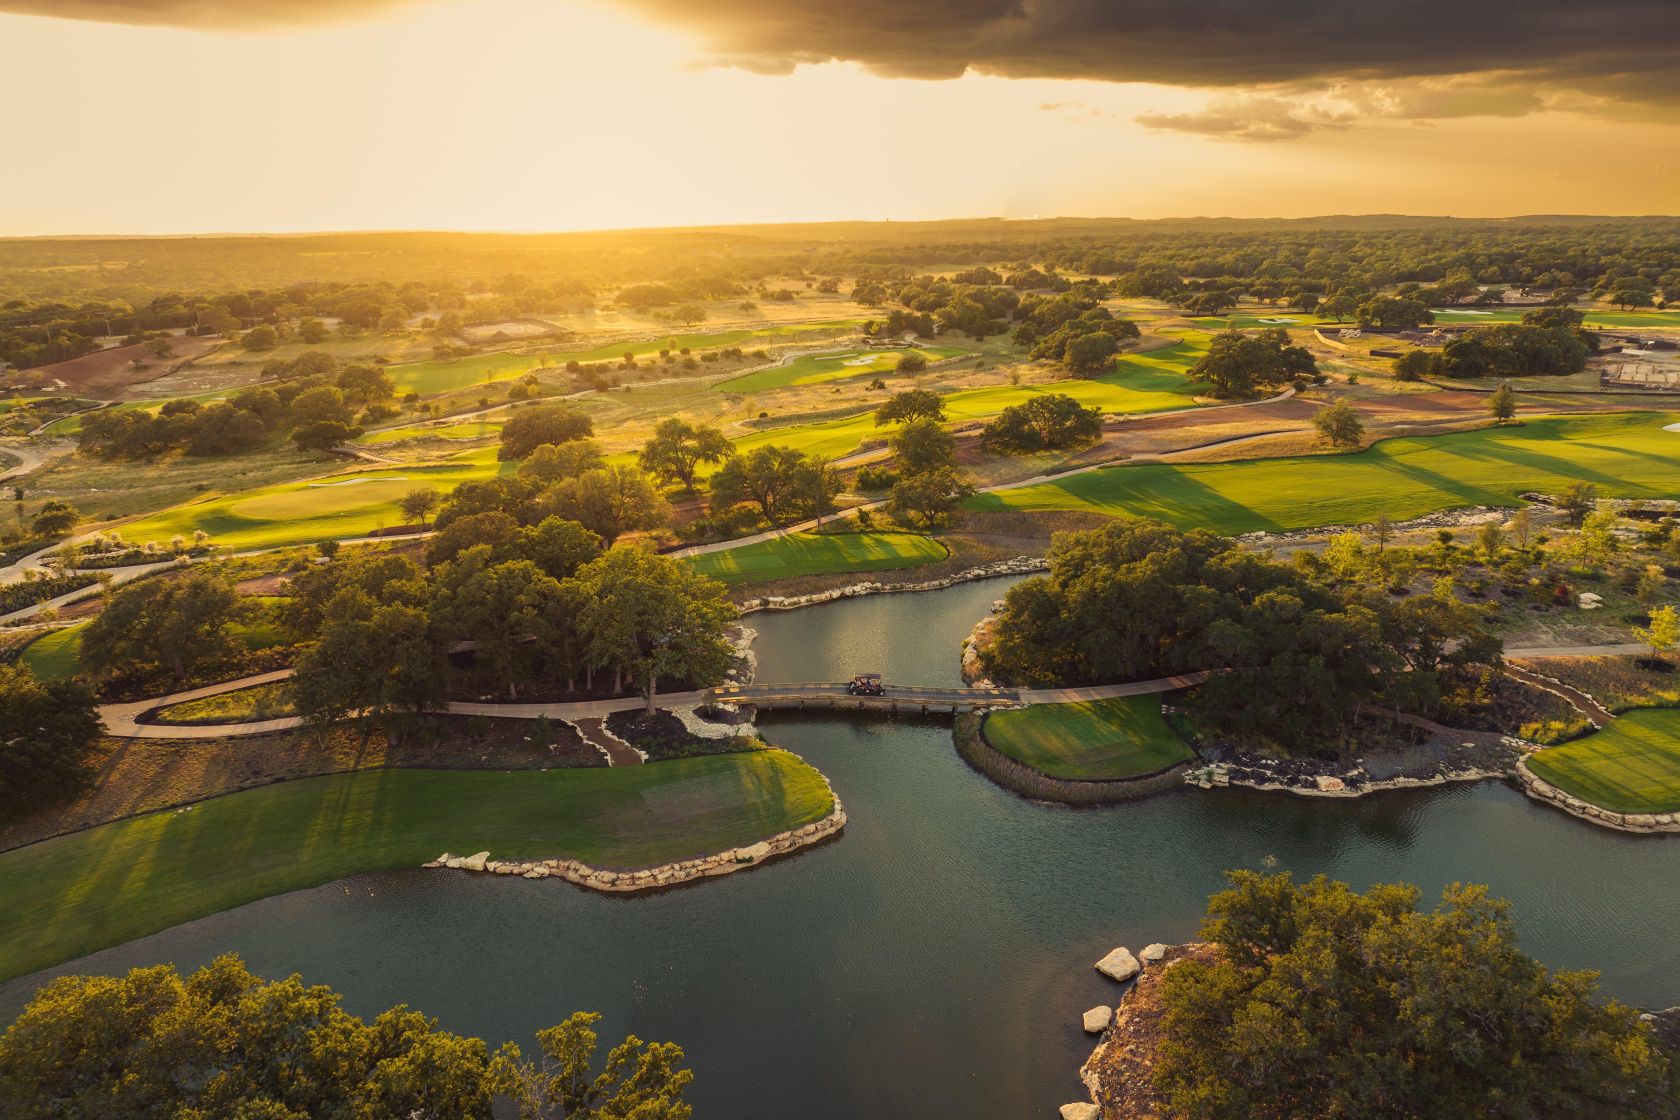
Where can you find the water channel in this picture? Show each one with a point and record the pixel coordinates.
(934, 960)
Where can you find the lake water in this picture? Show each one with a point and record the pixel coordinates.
(935, 959)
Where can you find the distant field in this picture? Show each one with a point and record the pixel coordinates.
(1097, 740)
(341, 506)
(801, 554)
(1632, 766)
(1626, 455)
(813, 369)
(1152, 382)
(69, 896)
(466, 429)
(440, 377)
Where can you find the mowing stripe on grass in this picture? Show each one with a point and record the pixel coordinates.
(69, 896)
(802, 554)
(1626, 455)
(1632, 766)
(1095, 740)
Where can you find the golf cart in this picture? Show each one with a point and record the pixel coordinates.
(866, 684)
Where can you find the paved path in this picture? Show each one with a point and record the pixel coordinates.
(124, 720)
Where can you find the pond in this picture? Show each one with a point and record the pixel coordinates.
(934, 960)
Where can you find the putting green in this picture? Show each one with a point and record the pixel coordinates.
(801, 554)
(1626, 455)
(347, 505)
(1096, 740)
(1632, 766)
(813, 369)
(69, 896)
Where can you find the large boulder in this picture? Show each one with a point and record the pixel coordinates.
(1097, 1019)
(1084, 1110)
(476, 862)
(1151, 954)
(1119, 965)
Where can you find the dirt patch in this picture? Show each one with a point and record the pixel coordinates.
(1121, 1071)
(141, 775)
(106, 370)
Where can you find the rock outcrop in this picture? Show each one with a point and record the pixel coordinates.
(1096, 1020)
(1119, 965)
(1120, 1072)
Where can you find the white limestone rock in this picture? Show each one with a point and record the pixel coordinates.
(1084, 1110)
(1152, 953)
(1097, 1019)
(1119, 965)
(476, 861)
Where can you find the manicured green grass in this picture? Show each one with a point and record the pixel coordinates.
(57, 654)
(427, 378)
(67, 897)
(813, 369)
(804, 554)
(1632, 766)
(340, 506)
(1152, 382)
(246, 705)
(1626, 455)
(1100, 739)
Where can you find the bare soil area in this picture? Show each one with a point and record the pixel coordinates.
(105, 371)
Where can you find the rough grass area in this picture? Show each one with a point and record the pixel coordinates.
(67, 897)
(1632, 766)
(1619, 683)
(247, 705)
(803, 554)
(427, 378)
(1626, 455)
(1096, 740)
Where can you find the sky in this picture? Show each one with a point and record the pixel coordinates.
(182, 116)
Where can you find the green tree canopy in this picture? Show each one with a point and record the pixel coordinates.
(529, 428)
(677, 449)
(50, 728)
(1046, 422)
(1328, 1003)
(224, 1043)
(910, 404)
(176, 623)
(649, 617)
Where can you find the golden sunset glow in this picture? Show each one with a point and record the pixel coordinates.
(525, 115)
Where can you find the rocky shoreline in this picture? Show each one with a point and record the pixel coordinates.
(652, 878)
(1020, 565)
(1541, 790)
(1468, 762)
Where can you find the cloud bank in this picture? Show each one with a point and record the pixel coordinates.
(1285, 68)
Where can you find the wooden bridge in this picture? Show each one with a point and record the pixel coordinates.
(894, 698)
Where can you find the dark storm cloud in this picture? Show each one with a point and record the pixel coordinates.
(1613, 50)
(1617, 48)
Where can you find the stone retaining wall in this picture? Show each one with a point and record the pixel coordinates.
(1020, 565)
(1020, 778)
(655, 878)
(1542, 790)
(652, 878)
